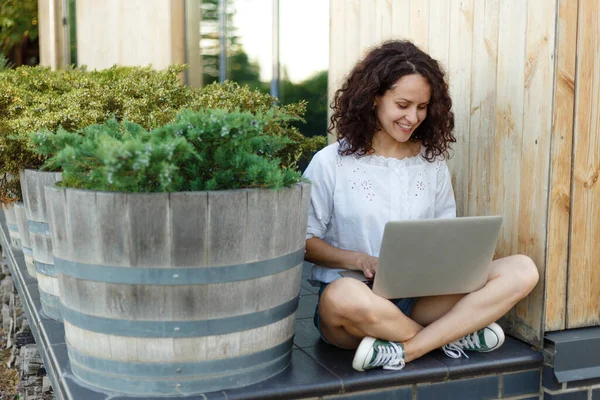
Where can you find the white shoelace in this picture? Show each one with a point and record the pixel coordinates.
(456, 348)
(390, 356)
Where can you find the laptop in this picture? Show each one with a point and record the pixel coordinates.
(431, 257)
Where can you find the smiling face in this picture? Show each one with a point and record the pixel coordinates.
(402, 108)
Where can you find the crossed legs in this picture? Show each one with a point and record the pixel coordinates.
(349, 311)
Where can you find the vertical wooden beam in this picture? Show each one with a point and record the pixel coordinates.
(460, 70)
(193, 18)
(559, 213)
(178, 34)
(584, 272)
(482, 139)
(51, 33)
(535, 160)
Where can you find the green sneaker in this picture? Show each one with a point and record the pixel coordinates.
(487, 339)
(373, 353)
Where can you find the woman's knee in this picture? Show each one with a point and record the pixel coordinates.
(346, 299)
(524, 275)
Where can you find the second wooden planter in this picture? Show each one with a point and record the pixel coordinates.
(180, 293)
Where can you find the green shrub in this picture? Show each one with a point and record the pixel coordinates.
(211, 149)
(35, 98)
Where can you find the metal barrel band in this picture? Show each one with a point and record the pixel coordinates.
(13, 227)
(41, 228)
(179, 329)
(45, 269)
(179, 276)
(182, 369)
(50, 305)
(154, 387)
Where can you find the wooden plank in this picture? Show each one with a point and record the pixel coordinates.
(439, 31)
(188, 228)
(559, 214)
(83, 226)
(56, 203)
(535, 160)
(288, 212)
(369, 31)
(460, 69)
(401, 19)
(337, 55)
(384, 20)
(352, 34)
(113, 235)
(584, 275)
(482, 138)
(227, 227)
(193, 17)
(510, 92)
(419, 23)
(149, 214)
(262, 225)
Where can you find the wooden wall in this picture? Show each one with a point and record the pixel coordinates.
(500, 60)
(130, 32)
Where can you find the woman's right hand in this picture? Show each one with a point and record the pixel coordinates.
(367, 264)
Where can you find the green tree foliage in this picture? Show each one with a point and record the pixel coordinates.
(205, 150)
(18, 21)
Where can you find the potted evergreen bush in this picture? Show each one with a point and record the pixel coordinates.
(34, 98)
(179, 251)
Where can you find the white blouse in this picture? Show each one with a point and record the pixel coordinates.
(352, 198)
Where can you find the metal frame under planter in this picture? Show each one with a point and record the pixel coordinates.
(178, 293)
(32, 186)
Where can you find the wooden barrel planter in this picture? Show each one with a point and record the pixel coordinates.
(32, 186)
(25, 239)
(178, 293)
(13, 228)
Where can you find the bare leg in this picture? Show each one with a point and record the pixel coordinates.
(349, 311)
(511, 279)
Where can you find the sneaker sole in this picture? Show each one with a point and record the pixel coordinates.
(361, 353)
(499, 332)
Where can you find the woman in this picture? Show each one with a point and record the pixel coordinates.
(394, 124)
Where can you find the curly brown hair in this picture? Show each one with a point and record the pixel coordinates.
(354, 117)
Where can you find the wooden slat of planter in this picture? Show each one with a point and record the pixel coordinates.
(147, 214)
(84, 226)
(535, 160)
(113, 238)
(303, 215)
(189, 226)
(559, 215)
(57, 200)
(288, 210)
(584, 274)
(226, 244)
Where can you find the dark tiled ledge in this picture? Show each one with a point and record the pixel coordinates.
(316, 369)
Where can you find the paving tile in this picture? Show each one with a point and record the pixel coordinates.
(303, 378)
(306, 269)
(339, 362)
(549, 380)
(512, 356)
(579, 395)
(306, 307)
(308, 287)
(521, 383)
(596, 394)
(306, 333)
(464, 389)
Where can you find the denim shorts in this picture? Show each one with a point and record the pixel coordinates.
(405, 305)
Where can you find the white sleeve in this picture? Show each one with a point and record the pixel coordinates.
(320, 172)
(445, 205)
